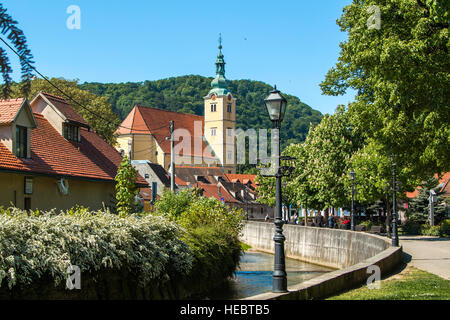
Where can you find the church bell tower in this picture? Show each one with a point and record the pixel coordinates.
(220, 117)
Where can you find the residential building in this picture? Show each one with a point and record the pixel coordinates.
(51, 158)
(155, 175)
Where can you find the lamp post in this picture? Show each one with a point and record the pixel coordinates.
(276, 107)
(352, 213)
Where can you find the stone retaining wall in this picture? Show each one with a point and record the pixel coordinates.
(351, 252)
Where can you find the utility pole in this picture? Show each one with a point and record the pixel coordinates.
(432, 200)
(172, 156)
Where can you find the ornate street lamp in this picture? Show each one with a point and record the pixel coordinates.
(352, 214)
(276, 108)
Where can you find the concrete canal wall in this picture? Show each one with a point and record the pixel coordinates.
(350, 252)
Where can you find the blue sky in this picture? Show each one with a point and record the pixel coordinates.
(288, 43)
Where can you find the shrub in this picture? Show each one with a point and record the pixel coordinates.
(427, 230)
(411, 227)
(126, 189)
(367, 223)
(174, 204)
(212, 233)
(445, 228)
(46, 243)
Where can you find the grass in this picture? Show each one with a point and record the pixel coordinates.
(410, 284)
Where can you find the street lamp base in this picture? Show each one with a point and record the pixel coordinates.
(279, 284)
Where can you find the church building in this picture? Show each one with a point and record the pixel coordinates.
(200, 141)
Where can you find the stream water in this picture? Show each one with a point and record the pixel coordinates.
(254, 275)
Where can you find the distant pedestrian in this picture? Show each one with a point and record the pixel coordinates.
(267, 218)
(331, 222)
(294, 219)
(318, 220)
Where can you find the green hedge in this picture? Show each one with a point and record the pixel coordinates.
(415, 228)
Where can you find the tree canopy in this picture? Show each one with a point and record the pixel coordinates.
(401, 73)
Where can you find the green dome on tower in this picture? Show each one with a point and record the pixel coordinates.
(219, 84)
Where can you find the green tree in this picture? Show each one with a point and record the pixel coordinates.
(401, 74)
(322, 177)
(373, 180)
(126, 189)
(96, 109)
(419, 211)
(8, 26)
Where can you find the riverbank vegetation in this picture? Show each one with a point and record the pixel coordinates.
(156, 255)
(212, 232)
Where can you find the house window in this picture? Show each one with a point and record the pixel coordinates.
(230, 155)
(229, 131)
(213, 107)
(229, 107)
(213, 131)
(21, 142)
(71, 132)
(147, 176)
(28, 185)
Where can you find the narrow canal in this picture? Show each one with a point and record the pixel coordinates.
(254, 275)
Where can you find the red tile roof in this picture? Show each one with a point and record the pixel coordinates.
(51, 154)
(212, 191)
(9, 109)
(243, 178)
(146, 120)
(65, 108)
(180, 182)
(444, 180)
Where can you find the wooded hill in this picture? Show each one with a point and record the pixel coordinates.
(185, 94)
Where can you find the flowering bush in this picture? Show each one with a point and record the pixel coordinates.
(212, 233)
(46, 243)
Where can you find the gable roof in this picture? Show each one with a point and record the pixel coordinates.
(190, 174)
(213, 190)
(61, 107)
(242, 178)
(160, 173)
(154, 121)
(51, 154)
(10, 109)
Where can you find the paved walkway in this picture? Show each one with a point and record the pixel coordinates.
(431, 254)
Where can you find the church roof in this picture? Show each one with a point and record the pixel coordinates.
(154, 121)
